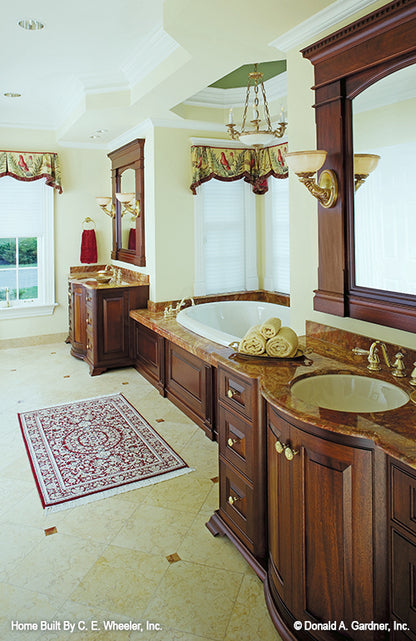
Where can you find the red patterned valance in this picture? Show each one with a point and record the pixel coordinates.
(234, 164)
(25, 165)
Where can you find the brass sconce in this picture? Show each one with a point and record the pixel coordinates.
(305, 164)
(364, 164)
(103, 202)
(129, 204)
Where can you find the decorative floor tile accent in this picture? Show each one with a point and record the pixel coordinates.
(92, 449)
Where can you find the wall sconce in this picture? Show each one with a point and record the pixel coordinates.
(305, 164)
(103, 202)
(364, 164)
(126, 201)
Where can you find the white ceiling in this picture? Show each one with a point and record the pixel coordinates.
(110, 66)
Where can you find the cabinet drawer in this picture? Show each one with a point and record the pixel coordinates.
(403, 497)
(236, 441)
(237, 503)
(238, 392)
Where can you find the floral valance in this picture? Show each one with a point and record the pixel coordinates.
(24, 165)
(234, 163)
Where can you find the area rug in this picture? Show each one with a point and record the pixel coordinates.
(92, 449)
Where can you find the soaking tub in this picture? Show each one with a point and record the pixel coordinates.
(226, 321)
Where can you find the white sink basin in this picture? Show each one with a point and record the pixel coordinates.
(349, 393)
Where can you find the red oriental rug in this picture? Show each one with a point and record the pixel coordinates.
(92, 449)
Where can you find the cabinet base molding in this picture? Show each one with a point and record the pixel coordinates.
(283, 625)
(217, 526)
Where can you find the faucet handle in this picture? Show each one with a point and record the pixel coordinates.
(399, 369)
(413, 376)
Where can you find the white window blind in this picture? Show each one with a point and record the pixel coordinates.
(21, 207)
(225, 256)
(277, 270)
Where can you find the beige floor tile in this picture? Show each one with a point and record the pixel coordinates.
(56, 565)
(250, 618)
(17, 541)
(195, 599)
(200, 546)
(19, 605)
(153, 529)
(121, 581)
(184, 493)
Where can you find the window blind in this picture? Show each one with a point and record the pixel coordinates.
(22, 207)
(277, 246)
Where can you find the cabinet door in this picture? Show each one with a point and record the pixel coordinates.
(112, 326)
(280, 516)
(78, 320)
(404, 580)
(150, 355)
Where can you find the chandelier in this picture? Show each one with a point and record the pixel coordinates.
(257, 136)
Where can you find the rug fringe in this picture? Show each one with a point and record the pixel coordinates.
(83, 500)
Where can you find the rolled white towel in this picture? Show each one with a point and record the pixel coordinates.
(270, 327)
(284, 344)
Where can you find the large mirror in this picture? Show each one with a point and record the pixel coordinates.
(364, 100)
(127, 170)
(385, 203)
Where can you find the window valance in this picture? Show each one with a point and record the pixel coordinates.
(234, 163)
(25, 165)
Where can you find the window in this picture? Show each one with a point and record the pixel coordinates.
(277, 269)
(225, 238)
(26, 248)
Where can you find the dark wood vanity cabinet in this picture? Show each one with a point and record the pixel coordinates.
(100, 331)
(182, 377)
(403, 550)
(322, 523)
(242, 476)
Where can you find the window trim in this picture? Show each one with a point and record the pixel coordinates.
(45, 304)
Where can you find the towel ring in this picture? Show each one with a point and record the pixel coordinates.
(86, 221)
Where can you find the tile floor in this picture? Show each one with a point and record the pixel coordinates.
(107, 562)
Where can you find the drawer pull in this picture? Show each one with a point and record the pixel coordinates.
(88, 320)
(88, 345)
(231, 392)
(279, 447)
(232, 441)
(233, 499)
(290, 454)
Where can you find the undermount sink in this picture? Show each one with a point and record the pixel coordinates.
(349, 393)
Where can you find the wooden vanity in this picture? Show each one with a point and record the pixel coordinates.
(320, 503)
(99, 324)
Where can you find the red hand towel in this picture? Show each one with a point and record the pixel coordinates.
(88, 246)
(132, 238)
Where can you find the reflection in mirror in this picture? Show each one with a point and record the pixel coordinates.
(128, 222)
(385, 204)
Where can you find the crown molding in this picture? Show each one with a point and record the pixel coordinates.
(319, 22)
(151, 52)
(215, 98)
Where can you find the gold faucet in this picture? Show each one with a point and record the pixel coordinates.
(373, 357)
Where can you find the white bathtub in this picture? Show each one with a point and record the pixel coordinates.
(226, 321)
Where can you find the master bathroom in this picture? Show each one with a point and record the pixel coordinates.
(285, 510)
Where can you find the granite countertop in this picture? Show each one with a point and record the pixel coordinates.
(394, 431)
(88, 276)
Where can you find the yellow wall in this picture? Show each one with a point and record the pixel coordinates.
(85, 174)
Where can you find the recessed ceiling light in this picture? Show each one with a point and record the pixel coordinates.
(94, 136)
(101, 131)
(31, 24)
(12, 94)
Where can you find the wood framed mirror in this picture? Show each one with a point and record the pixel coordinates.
(347, 63)
(127, 175)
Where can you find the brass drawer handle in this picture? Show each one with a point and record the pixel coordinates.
(233, 499)
(279, 447)
(88, 320)
(232, 441)
(290, 454)
(231, 392)
(88, 345)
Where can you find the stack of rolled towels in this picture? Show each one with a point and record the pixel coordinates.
(271, 339)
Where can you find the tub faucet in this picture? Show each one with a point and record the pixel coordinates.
(179, 305)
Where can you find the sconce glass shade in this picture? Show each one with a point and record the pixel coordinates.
(103, 201)
(125, 198)
(364, 164)
(305, 162)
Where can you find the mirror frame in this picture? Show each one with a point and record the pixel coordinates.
(346, 63)
(130, 156)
